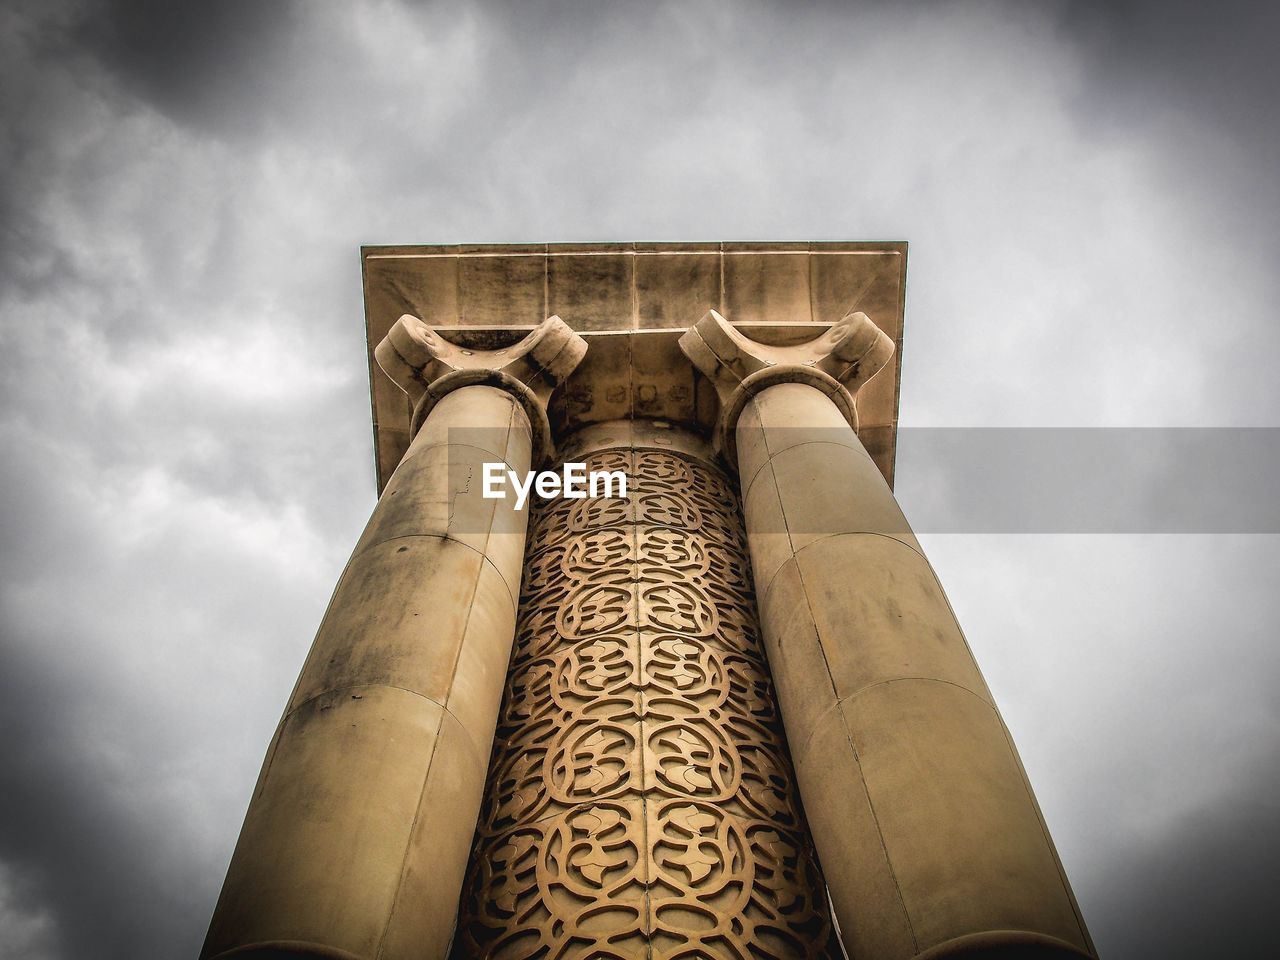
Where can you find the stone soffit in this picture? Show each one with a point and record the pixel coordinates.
(632, 301)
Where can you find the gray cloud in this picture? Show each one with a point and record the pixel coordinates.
(1088, 193)
(1218, 61)
(1141, 669)
(206, 65)
(1206, 886)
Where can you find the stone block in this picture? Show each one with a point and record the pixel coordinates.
(320, 854)
(869, 281)
(766, 285)
(592, 291)
(426, 908)
(801, 677)
(674, 289)
(496, 290)
(828, 488)
(860, 880)
(967, 846)
(881, 615)
(766, 530)
(398, 617)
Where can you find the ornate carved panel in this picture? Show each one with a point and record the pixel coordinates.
(640, 799)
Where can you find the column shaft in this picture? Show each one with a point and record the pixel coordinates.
(355, 843)
(640, 799)
(928, 833)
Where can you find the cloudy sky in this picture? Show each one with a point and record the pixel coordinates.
(1089, 190)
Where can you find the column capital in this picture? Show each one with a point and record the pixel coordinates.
(838, 363)
(427, 367)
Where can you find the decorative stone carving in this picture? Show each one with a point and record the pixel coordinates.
(838, 363)
(427, 367)
(640, 798)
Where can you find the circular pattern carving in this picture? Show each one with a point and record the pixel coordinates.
(640, 798)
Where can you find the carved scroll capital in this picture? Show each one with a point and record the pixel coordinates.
(426, 367)
(838, 363)
(415, 356)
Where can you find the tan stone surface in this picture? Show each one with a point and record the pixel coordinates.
(795, 652)
(860, 876)
(770, 540)
(640, 434)
(967, 845)
(921, 813)
(850, 352)
(672, 287)
(640, 800)
(318, 860)
(356, 838)
(617, 287)
(836, 363)
(498, 290)
(426, 909)
(398, 617)
(476, 420)
(798, 415)
(642, 374)
(428, 367)
(763, 282)
(587, 286)
(896, 610)
(438, 488)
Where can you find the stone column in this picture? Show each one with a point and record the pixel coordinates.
(924, 822)
(355, 843)
(641, 800)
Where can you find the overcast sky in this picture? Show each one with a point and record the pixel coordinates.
(1090, 195)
